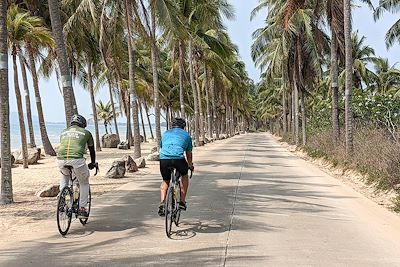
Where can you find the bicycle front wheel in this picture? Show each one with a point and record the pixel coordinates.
(64, 210)
(169, 211)
(89, 205)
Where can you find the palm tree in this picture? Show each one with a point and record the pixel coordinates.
(37, 39)
(105, 113)
(66, 80)
(18, 26)
(22, 64)
(6, 190)
(349, 78)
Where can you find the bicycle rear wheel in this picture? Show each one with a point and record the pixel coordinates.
(169, 211)
(64, 210)
(89, 205)
(178, 210)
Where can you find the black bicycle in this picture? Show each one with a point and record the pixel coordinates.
(174, 194)
(68, 203)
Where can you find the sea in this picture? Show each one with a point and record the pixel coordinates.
(55, 128)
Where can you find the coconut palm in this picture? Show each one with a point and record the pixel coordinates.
(6, 190)
(18, 26)
(66, 80)
(105, 113)
(349, 77)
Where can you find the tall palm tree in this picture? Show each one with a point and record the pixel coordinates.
(18, 26)
(105, 113)
(66, 79)
(37, 39)
(22, 64)
(6, 190)
(349, 78)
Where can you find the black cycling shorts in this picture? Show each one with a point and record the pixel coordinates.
(179, 164)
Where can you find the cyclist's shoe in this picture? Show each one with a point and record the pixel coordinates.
(161, 209)
(82, 213)
(182, 205)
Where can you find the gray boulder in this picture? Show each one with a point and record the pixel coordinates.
(49, 191)
(33, 156)
(153, 150)
(153, 157)
(130, 164)
(117, 170)
(123, 146)
(141, 162)
(110, 141)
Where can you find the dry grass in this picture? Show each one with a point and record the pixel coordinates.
(375, 155)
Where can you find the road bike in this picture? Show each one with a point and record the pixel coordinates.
(68, 202)
(174, 195)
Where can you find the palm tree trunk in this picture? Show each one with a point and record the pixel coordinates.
(32, 142)
(193, 84)
(141, 117)
(335, 89)
(303, 119)
(132, 90)
(157, 103)
(201, 117)
(207, 88)
(181, 76)
(20, 112)
(296, 114)
(349, 78)
(66, 80)
(214, 110)
(48, 148)
(128, 122)
(113, 106)
(94, 110)
(6, 190)
(226, 113)
(284, 105)
(148, 120)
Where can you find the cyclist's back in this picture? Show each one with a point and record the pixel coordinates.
(175, 143)
(73, 141)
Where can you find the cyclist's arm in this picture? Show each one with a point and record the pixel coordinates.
(189, 158)
(92, 151)
(92, 154)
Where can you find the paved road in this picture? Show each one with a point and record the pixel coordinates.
(251, 203)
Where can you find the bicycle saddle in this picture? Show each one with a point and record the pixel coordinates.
(68, 167)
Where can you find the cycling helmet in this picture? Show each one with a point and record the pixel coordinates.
(178, 123)
(78, 120)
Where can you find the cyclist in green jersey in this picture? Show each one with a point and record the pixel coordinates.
(73, 141)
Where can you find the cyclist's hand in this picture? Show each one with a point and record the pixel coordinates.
(191, 168)
(92, 166)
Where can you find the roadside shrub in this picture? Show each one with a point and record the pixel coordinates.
(375, 155)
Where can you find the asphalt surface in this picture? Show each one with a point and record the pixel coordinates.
(251, 203)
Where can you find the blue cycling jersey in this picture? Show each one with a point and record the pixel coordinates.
(174, 143)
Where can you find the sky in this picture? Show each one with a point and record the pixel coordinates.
(240, 30)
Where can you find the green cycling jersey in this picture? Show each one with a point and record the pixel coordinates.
(73, 141)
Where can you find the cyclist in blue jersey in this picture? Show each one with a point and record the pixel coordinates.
(175, 144)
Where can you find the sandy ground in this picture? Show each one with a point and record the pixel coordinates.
(28, 208)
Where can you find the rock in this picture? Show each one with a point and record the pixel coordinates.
(12, 160)
(117, 170)
(49, 191)
(141, 162)
(153, 157)
(154, 150)
(123, 146)
(110, 141)
(130, 164)
(33, 156)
